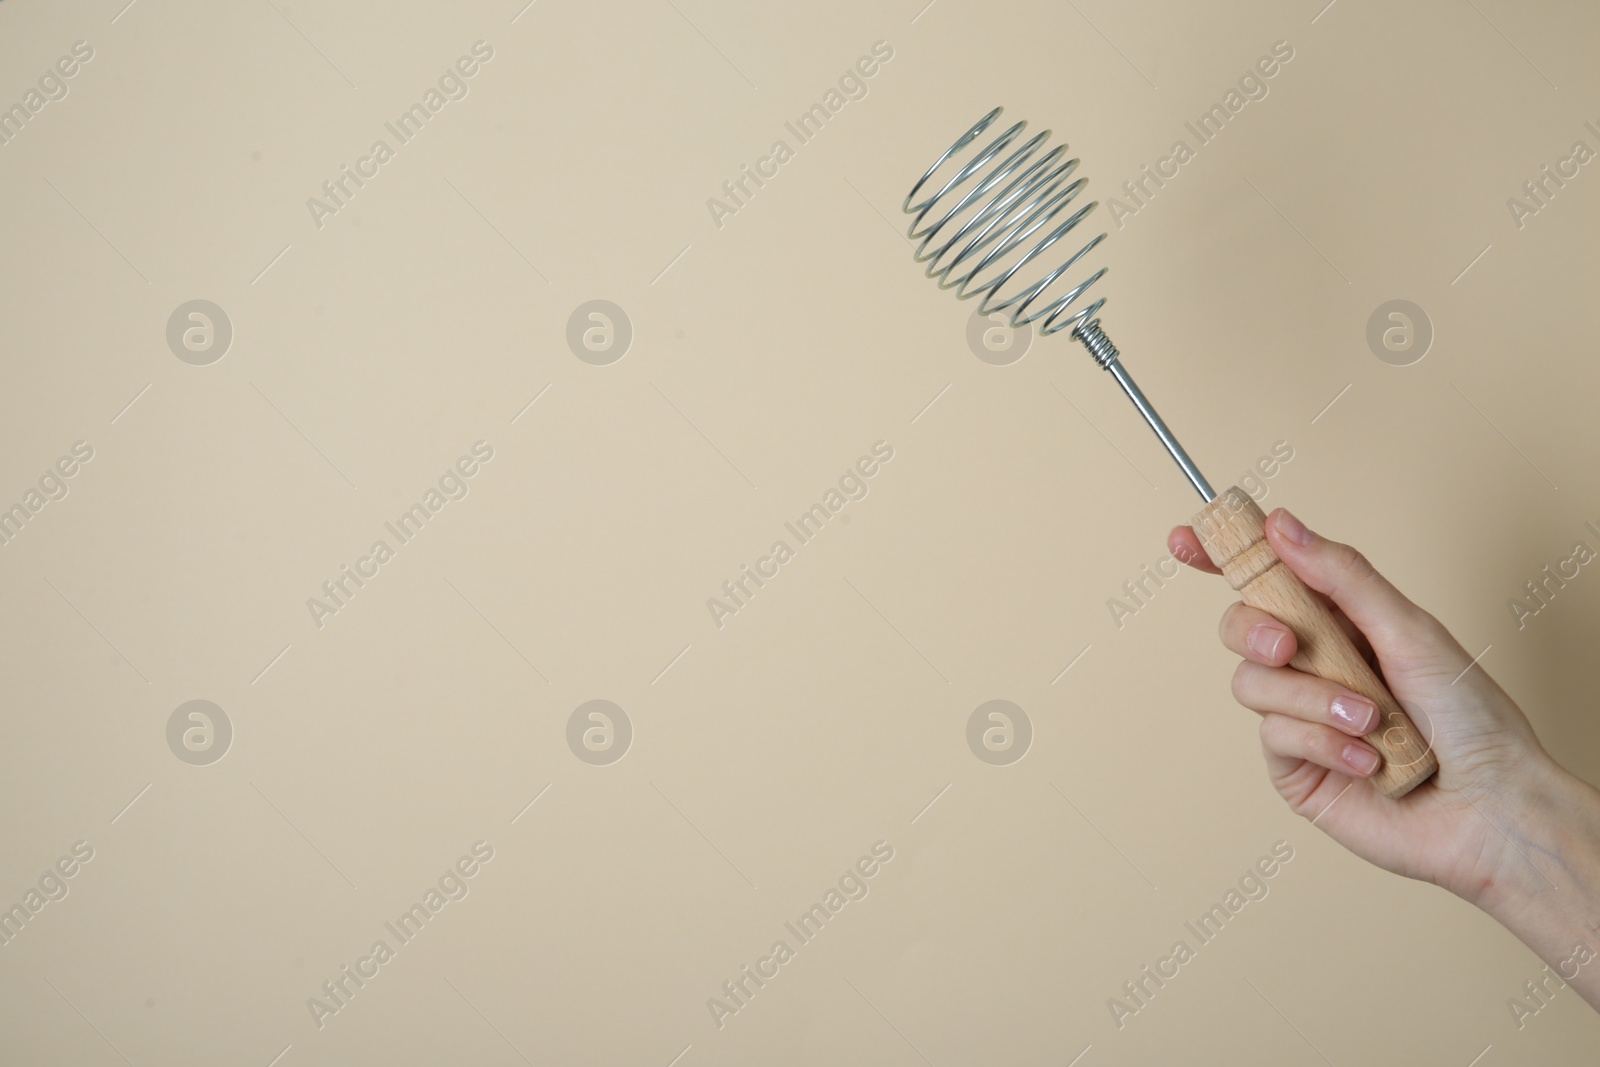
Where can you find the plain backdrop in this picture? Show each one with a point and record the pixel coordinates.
(771, 348)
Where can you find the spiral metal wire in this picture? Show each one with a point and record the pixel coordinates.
(974, 234)
(975, 226)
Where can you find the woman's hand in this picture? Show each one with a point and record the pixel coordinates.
(1474, 828)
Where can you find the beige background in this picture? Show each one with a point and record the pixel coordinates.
(768, 755)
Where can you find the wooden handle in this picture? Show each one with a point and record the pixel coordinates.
(1232, 530)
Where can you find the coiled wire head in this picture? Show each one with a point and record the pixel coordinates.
(976, 239)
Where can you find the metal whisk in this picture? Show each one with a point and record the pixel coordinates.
(1004, 211)
(1011, 199)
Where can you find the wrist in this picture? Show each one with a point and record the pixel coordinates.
(1541, 869)
(1546, 885)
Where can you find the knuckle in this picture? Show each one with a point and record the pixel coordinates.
(1429, 623)
(1228, 623)
(1278, 735)
(1241, 683)
(1315, 703)
(1327, 748)
(1355, 565)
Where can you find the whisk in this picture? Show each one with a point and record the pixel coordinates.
(999, 211)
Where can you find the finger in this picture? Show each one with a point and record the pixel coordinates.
(1286, 691)
(1184, 544)
(1286, 738)
(1379, 610)
(1357, 638)
(1255, 635)
(1185, 548)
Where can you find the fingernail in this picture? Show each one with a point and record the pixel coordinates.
(1264, 640)
(1361, 758)
(1293, 528)
(1353, 714)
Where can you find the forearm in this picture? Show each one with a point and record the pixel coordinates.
(1550, 896)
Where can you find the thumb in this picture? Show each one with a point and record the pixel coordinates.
(1391, 622)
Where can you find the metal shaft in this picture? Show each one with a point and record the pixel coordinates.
(1105, 354)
